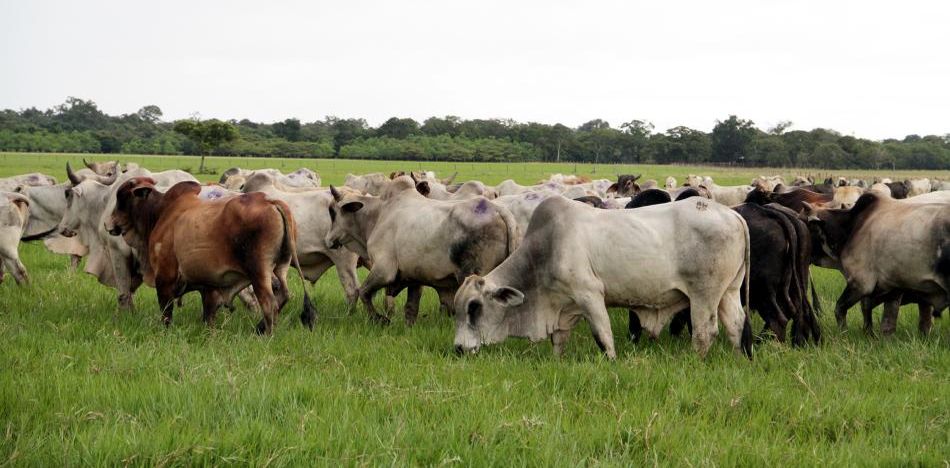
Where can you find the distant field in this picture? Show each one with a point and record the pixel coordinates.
(333, 171)
(82, 385)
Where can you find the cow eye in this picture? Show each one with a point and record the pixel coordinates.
(332, 214)
(474, 311)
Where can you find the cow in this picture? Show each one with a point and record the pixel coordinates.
(412, 239)
(846, 196)
(729, 196)
(780, 255)
(437, 191)
(940, 185)
(768, 183)
(301, 179)
(522, 206)
(917, 186)
(47, 206)
(649, 197)
(626, 186)
(883, 245)
(801, 181)
(108, 168)
(670, 183)
(35, 179)
(14, 213)
(311, 212)
(77, 177)
(575, 261)
(372, 184)
(793, 200)
(216, 247)
(88, 206)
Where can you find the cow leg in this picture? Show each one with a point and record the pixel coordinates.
(736, 322)
(559, 339)
(926, 320)
(263, 290)
(413, 297)
(596, 314)
(247, 296)
(680, 321)
(849, 297)
(345, 262)
(74, 263)
(17, 270)
(378, 278)
(2, 273)
(634, 328)
(705, 327)
(392, 291)
(447, 300)
(210, 301)
(867, 309)
(889, 319)
(166, 301)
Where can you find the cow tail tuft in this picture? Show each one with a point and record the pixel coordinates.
(308, 316)
(746, 340)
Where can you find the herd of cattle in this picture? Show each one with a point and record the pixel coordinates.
(506, 260)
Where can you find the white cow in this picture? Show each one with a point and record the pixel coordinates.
(575, 261)
(14, 213)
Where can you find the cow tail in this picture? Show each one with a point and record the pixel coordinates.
(309, 313)
(746, 340)
(514, 237)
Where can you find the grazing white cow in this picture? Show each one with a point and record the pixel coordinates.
(410, 239)
(575, 261)
(14, 213)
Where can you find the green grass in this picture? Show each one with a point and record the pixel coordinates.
(80, 384)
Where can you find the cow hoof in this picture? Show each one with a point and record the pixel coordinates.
(380, 319)
(261, 327)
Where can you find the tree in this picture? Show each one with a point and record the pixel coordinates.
(448, 125)
(637, 138)
(345, 131)
(398, 128)
(150, 113)
(732, 139)
(288, 129)
(780, 127)
(206, 135)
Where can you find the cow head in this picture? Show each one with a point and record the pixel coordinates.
(482, 313)
(626, 186)
(108, 168)
(77, 178)
(134, 210)
(348, 212)
(832, 228)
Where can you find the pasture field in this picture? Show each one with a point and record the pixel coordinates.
(80, 384)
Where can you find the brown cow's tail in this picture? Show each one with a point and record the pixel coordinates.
(514, 236)
(309, 313)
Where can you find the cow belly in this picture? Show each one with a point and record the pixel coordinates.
(204, 266)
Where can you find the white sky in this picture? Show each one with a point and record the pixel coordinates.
(867, 68)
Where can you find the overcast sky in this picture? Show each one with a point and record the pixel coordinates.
(872, 69)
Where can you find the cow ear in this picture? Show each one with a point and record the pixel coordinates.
(612, 188)
(142, 192)
(351, 207)
(423, 188)
(507, 297)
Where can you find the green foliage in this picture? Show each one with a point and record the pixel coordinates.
(207, 134)
(79, 126)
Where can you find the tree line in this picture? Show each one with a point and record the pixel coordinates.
(80, 126)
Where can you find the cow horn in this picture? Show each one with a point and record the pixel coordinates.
(336, 195)
(88, 164)
(637, 176)
(72, 176)
(451, 178)
(104, 180)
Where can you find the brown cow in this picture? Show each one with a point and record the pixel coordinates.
(215, 247)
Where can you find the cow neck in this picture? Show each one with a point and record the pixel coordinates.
(366, 219)
(523, 271)
(148, 213)
(851, 221)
